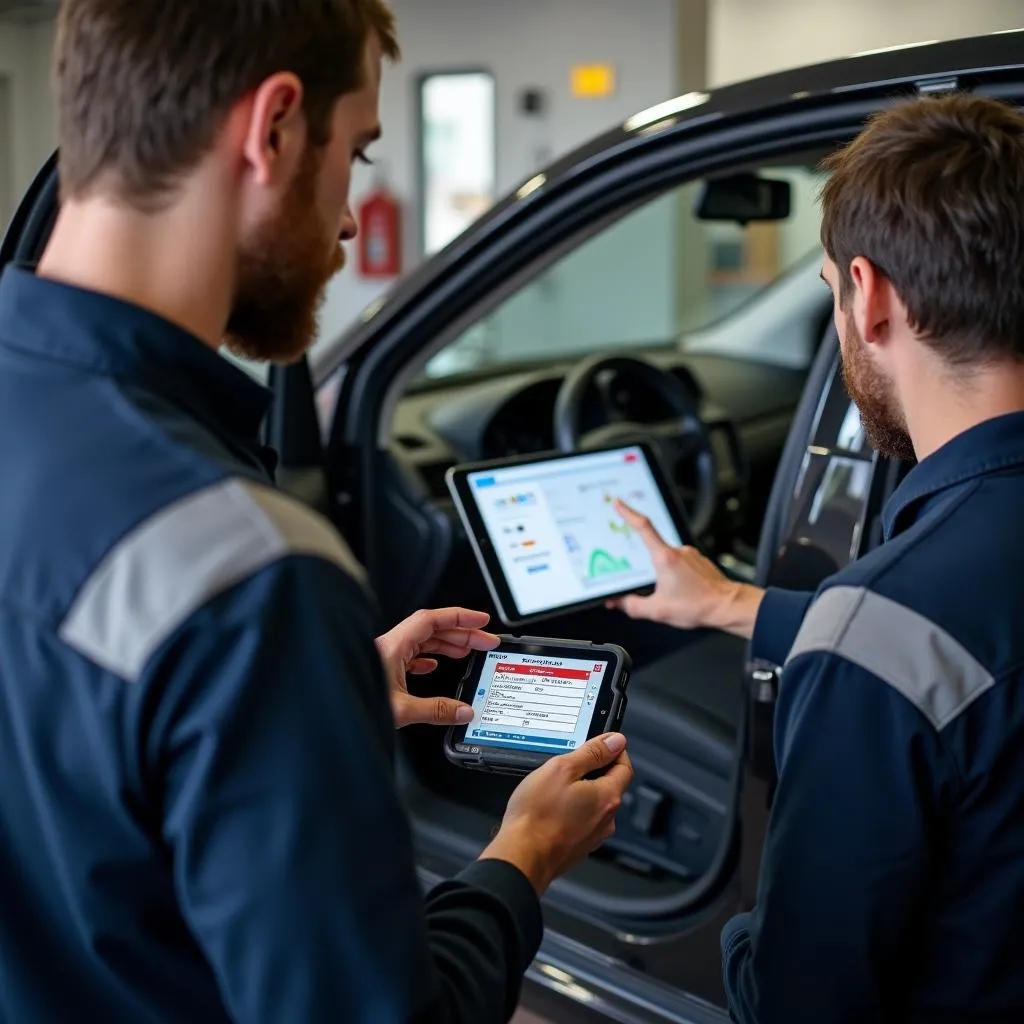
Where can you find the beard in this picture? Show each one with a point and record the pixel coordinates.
(874, 395)
(282, 274)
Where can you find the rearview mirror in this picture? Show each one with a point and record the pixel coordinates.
(743, 198)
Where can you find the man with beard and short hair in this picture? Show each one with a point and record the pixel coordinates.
(892, 880)
(198, 814)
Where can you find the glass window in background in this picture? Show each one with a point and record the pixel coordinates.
(457, 153)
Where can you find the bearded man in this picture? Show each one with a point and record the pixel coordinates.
(198, 815)
(892, 880)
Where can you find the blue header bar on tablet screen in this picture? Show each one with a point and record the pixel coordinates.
(556, 468)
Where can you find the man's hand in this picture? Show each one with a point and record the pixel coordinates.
(405, 650)
(690, 590)
(556, 816)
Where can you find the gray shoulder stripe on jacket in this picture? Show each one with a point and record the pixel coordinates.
(903, 648)
(172, 564)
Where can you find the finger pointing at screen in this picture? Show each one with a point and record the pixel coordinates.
(690, 591)
(644, 529)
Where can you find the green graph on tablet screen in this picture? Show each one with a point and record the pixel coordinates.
(602, 563)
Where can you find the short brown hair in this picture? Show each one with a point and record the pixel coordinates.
(932, 193)
(144, 85)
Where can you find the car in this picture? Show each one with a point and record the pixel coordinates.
(670, 264)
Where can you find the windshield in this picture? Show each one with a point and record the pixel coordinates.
(658, 276)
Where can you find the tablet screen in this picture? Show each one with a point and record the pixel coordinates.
(555, 531)
(531, 702)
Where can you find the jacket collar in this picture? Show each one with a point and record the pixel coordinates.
(990, 447)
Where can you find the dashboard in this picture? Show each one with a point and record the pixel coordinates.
(746, 406)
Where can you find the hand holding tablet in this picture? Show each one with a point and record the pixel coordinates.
(546, 532)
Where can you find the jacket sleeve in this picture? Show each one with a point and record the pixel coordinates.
(270, 738)
(861, 786)
(778, 622)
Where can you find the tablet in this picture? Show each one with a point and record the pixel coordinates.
(534, 698)
(546, 534)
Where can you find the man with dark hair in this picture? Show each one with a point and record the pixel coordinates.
(892, 883)
(198, 817)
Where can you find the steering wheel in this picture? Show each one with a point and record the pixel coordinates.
(683, 439)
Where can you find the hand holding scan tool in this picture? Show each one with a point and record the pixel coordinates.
(548, 709)
(560, 813)
(408, 649)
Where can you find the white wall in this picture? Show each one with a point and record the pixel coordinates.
(524, 43)
(755, 37)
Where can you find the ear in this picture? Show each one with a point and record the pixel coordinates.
(275, 136)
(872, 301)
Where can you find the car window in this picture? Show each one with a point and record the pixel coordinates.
(657, 276)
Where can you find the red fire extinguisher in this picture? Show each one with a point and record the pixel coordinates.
(380, 233)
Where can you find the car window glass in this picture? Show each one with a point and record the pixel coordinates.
(826, 519)
(657, 276)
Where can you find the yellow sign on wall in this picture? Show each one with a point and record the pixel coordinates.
(593, 81)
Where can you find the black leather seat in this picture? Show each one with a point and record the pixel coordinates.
(692, 700)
